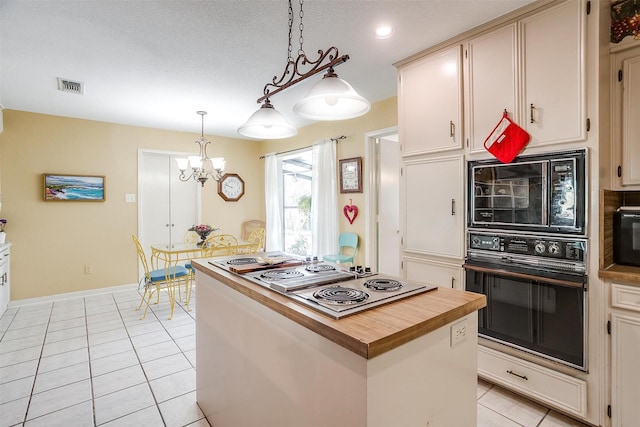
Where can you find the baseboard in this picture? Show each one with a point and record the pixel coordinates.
(69, 295)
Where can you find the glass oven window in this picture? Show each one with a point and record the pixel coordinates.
(510, 194)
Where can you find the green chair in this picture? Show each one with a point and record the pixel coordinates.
(347, 249)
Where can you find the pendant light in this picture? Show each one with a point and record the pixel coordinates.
(267, 123)
(330, 99)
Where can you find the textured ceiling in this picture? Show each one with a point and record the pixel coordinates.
(155, 63)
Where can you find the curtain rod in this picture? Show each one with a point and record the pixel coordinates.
(336, 139)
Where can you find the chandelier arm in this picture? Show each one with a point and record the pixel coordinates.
(296, 76)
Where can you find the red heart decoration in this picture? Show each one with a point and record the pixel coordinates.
(351, 212)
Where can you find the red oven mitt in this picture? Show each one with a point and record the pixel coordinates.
(507, 140)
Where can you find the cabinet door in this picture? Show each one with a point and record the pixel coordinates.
(554, 74)
(168, 206)
(5, 291)
(433, 272)
(434, 206)
(429, 103)
(630, 164)
(492, 80)
(625, 377)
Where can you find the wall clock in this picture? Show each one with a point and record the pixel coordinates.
(231, 187)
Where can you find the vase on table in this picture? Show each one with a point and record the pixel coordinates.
(203, 236)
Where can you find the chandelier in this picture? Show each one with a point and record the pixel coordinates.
(202, 167)
(329, 99)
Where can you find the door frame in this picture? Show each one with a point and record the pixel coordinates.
(140, 192)
(371, 196)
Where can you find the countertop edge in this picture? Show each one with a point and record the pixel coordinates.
(455, 304)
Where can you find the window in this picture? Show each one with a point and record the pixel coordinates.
(296, 178)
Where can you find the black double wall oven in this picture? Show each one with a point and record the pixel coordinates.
(527, 252)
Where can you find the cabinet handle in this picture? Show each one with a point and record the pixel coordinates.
(531, 108)
(452, 129)
(453, 281)
(524, 377)
(453, 206)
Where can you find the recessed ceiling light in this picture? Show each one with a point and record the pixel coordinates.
(384, 32)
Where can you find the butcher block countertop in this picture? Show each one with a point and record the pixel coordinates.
(368, 333)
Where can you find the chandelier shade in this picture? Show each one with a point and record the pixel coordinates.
(332, 99)
(267, 123)
(202, 167)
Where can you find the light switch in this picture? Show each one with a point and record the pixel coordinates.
(130, 198)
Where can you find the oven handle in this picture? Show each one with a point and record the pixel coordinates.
(525, 276)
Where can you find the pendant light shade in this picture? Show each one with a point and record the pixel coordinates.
(332, 99)
(267, 123)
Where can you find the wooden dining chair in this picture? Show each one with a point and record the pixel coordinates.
(249, 226)
(154, 280)
(220, 244)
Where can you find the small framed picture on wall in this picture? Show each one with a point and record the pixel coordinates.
(351, 175)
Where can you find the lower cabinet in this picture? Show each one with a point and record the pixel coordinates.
(431, 272)
(566, 393)
(625, 348)
(4, 278)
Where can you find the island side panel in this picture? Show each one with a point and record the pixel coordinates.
(426, 382)
(256, 367)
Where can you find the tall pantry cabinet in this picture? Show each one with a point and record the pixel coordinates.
(430, 118)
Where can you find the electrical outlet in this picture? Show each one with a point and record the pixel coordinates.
(88, 269)
(130, 198)
(458, 332)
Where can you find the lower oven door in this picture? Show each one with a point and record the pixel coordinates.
(539, 315)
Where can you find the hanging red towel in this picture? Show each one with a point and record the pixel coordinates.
(507, 140)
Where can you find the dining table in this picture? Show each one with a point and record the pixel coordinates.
(168, 255)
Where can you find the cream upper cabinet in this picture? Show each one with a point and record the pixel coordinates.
(626, 111)
(430, 103)
(553, 74)
(434, 206)
(491, 83)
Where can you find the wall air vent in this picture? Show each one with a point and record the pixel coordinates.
(70, 86)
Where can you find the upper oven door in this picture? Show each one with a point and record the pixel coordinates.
(534, 193)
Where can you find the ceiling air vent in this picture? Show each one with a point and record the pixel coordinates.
(70, 86)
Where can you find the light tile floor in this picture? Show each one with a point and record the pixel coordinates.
(91, 361)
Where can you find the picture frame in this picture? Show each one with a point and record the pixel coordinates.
(60, 187)
(351, 175)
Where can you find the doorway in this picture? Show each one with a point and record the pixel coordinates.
(384, 253)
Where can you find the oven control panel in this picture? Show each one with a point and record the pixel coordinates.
(539, 246)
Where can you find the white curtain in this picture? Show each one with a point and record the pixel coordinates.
(324, 199)
(274, 203)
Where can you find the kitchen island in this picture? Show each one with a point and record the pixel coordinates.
(263, 359)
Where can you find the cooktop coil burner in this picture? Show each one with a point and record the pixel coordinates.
(387, 285)
(340, 295)
(281, 274)
(319, 268)
(242, 261)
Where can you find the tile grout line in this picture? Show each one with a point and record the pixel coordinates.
(35, 375)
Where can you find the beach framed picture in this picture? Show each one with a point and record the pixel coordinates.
(73, 188)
